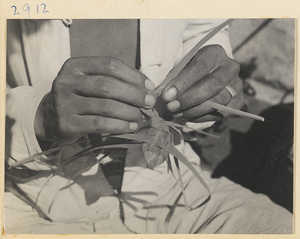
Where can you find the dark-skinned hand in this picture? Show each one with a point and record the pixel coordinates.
(93, 95)
(204, 79)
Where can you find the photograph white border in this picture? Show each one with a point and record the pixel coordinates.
(151, 9)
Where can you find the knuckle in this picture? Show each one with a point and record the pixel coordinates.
(136, 96)
(203, 53)
(105, 86)
(202, 66)
(61, 87)
(216, 84)
(190, 99)
(181, 85)
(213, 48)
(235, 66)
(68, 63)
(105, 107)
(97, 123)
(73, 67)
(111, 64)
(223, 98)
(58, 85)
(218, 50)
(239, 85)
(206, 48)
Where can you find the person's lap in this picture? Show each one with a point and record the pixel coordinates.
(230, 209)
(152, 202)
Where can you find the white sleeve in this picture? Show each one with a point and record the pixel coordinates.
(21, 106)
(36, 50)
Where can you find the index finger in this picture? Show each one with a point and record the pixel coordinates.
(207, 59)
(109, 66)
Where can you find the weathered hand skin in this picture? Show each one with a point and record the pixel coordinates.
(93, 95)
(204, 78)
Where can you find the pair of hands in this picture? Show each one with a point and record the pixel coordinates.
(103, 95)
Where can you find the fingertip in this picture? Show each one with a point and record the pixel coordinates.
(170, 94)
(149, 85)
(150, 100)
(173, 106)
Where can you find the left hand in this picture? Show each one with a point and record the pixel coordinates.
(203, 79)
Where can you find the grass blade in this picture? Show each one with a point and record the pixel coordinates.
(178, 155)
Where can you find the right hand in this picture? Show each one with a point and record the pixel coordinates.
(93, 95)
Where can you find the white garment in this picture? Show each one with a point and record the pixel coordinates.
(38, 49)
(36, 52)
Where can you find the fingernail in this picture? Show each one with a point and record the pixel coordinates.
(174, 105)
(133, 126)
(177, 115)
(149, 100)
(170, 93)
(149, 85)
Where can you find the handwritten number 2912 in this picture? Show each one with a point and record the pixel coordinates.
(26, 8)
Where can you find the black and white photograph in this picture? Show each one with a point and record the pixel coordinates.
(149, 126)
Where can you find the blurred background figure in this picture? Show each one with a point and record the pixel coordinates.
(259, 155)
